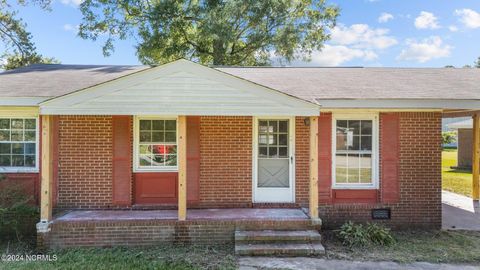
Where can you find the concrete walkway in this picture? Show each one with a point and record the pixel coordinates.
(459, 212)
(253, 263)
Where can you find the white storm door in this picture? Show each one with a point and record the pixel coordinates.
(274, 159)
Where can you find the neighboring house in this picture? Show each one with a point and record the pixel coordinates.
(465, 142)
(338, 142)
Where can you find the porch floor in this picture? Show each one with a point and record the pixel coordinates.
(237, 214)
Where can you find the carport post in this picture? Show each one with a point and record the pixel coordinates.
(476, 157)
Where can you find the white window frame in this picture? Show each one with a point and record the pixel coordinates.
(136, 141)
(35, 169)
(375, 149)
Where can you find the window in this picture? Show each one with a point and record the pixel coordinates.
(18, 144)
(156, 144)
(273, 139)
(355, 148)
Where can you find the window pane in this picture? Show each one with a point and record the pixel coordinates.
(18, 160)
(366, 143)
(17, 123)
(272, 151)
(262, 139)
(170, 125)
(17, 135)
(342, 125)
(354, 126)
(158, 125)
(366, 161)
(145, 124)
(272, 126)
(353, 160)
(283, 126)
(365, 175)
(282, 152)
(341, 160)
(262, 151)
(272, 139)
(145, 136)
(171, 149)
(341, 141)
(283, 139)
(170, 137)
(145, 149)
(4, 123)
(366, 127)
(30, 123)
(171, 160)
(353, 175)
(30, 136)
(262, 126)
(145, 160)
(158, 160)
(5, 160)
(158, 136)
(5, 148)
(353, 142)
(30, 161)
(5, 135)
(158, 149)
(17, 148)
(341, 175)
(30, 148)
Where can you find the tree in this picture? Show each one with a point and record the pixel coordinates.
(220, 32)
(477, 63)
(19, 49)
(449, 137)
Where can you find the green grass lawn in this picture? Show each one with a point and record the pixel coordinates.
(458, 181)
(159, 257)
(413, 246)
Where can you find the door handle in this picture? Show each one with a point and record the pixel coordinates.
(291, 159)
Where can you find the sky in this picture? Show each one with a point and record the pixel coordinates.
(381, 33)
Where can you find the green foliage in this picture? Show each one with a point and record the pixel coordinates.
(220, 32)
(18, 47)
(17, 214)
(449, 137)
(477, 63)
(359, 235)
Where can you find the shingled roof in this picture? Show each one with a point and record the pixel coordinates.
(310, 84)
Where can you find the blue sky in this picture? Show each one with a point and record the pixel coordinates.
(403, 33)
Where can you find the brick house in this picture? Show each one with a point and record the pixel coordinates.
(182, 152)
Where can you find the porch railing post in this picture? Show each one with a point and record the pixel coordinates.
(476, 157)
(46, 169)
(182, 167)
(313, 190)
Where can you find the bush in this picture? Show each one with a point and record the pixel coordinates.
(17, 213)
(449, 137)
(357, 235)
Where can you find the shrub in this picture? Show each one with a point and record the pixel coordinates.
(357, 235)
(17, 213)
(449, 137)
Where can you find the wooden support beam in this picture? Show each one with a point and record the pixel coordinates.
(313, 190)
(476, 158)
(182, 167)
(46, 169)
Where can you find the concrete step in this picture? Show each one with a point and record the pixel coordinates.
(280, 249)
(269, 236)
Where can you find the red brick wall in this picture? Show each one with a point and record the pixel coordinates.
(420, 178)
(85, 162)
(225, 161)
(302, 164)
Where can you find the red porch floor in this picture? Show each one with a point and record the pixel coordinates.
(237, 214)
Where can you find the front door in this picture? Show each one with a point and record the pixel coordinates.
(274, 159)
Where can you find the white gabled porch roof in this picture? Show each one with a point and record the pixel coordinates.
(179, 88)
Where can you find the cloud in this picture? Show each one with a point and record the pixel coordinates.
(426, 20)
(362, 36)
(70, 28)
(470, 18)
(453, 28)
(425, 50)
(74, 3)
(385, 17)
(332, 55)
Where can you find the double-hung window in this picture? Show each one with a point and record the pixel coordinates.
(155, 144)
(18, 144)
(355, 151)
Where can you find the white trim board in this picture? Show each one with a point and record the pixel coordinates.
(179, 88)
(398, 104)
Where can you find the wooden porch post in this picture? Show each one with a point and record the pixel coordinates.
(46, 169)
(476, 157)
(313, 198)
(182, 167)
